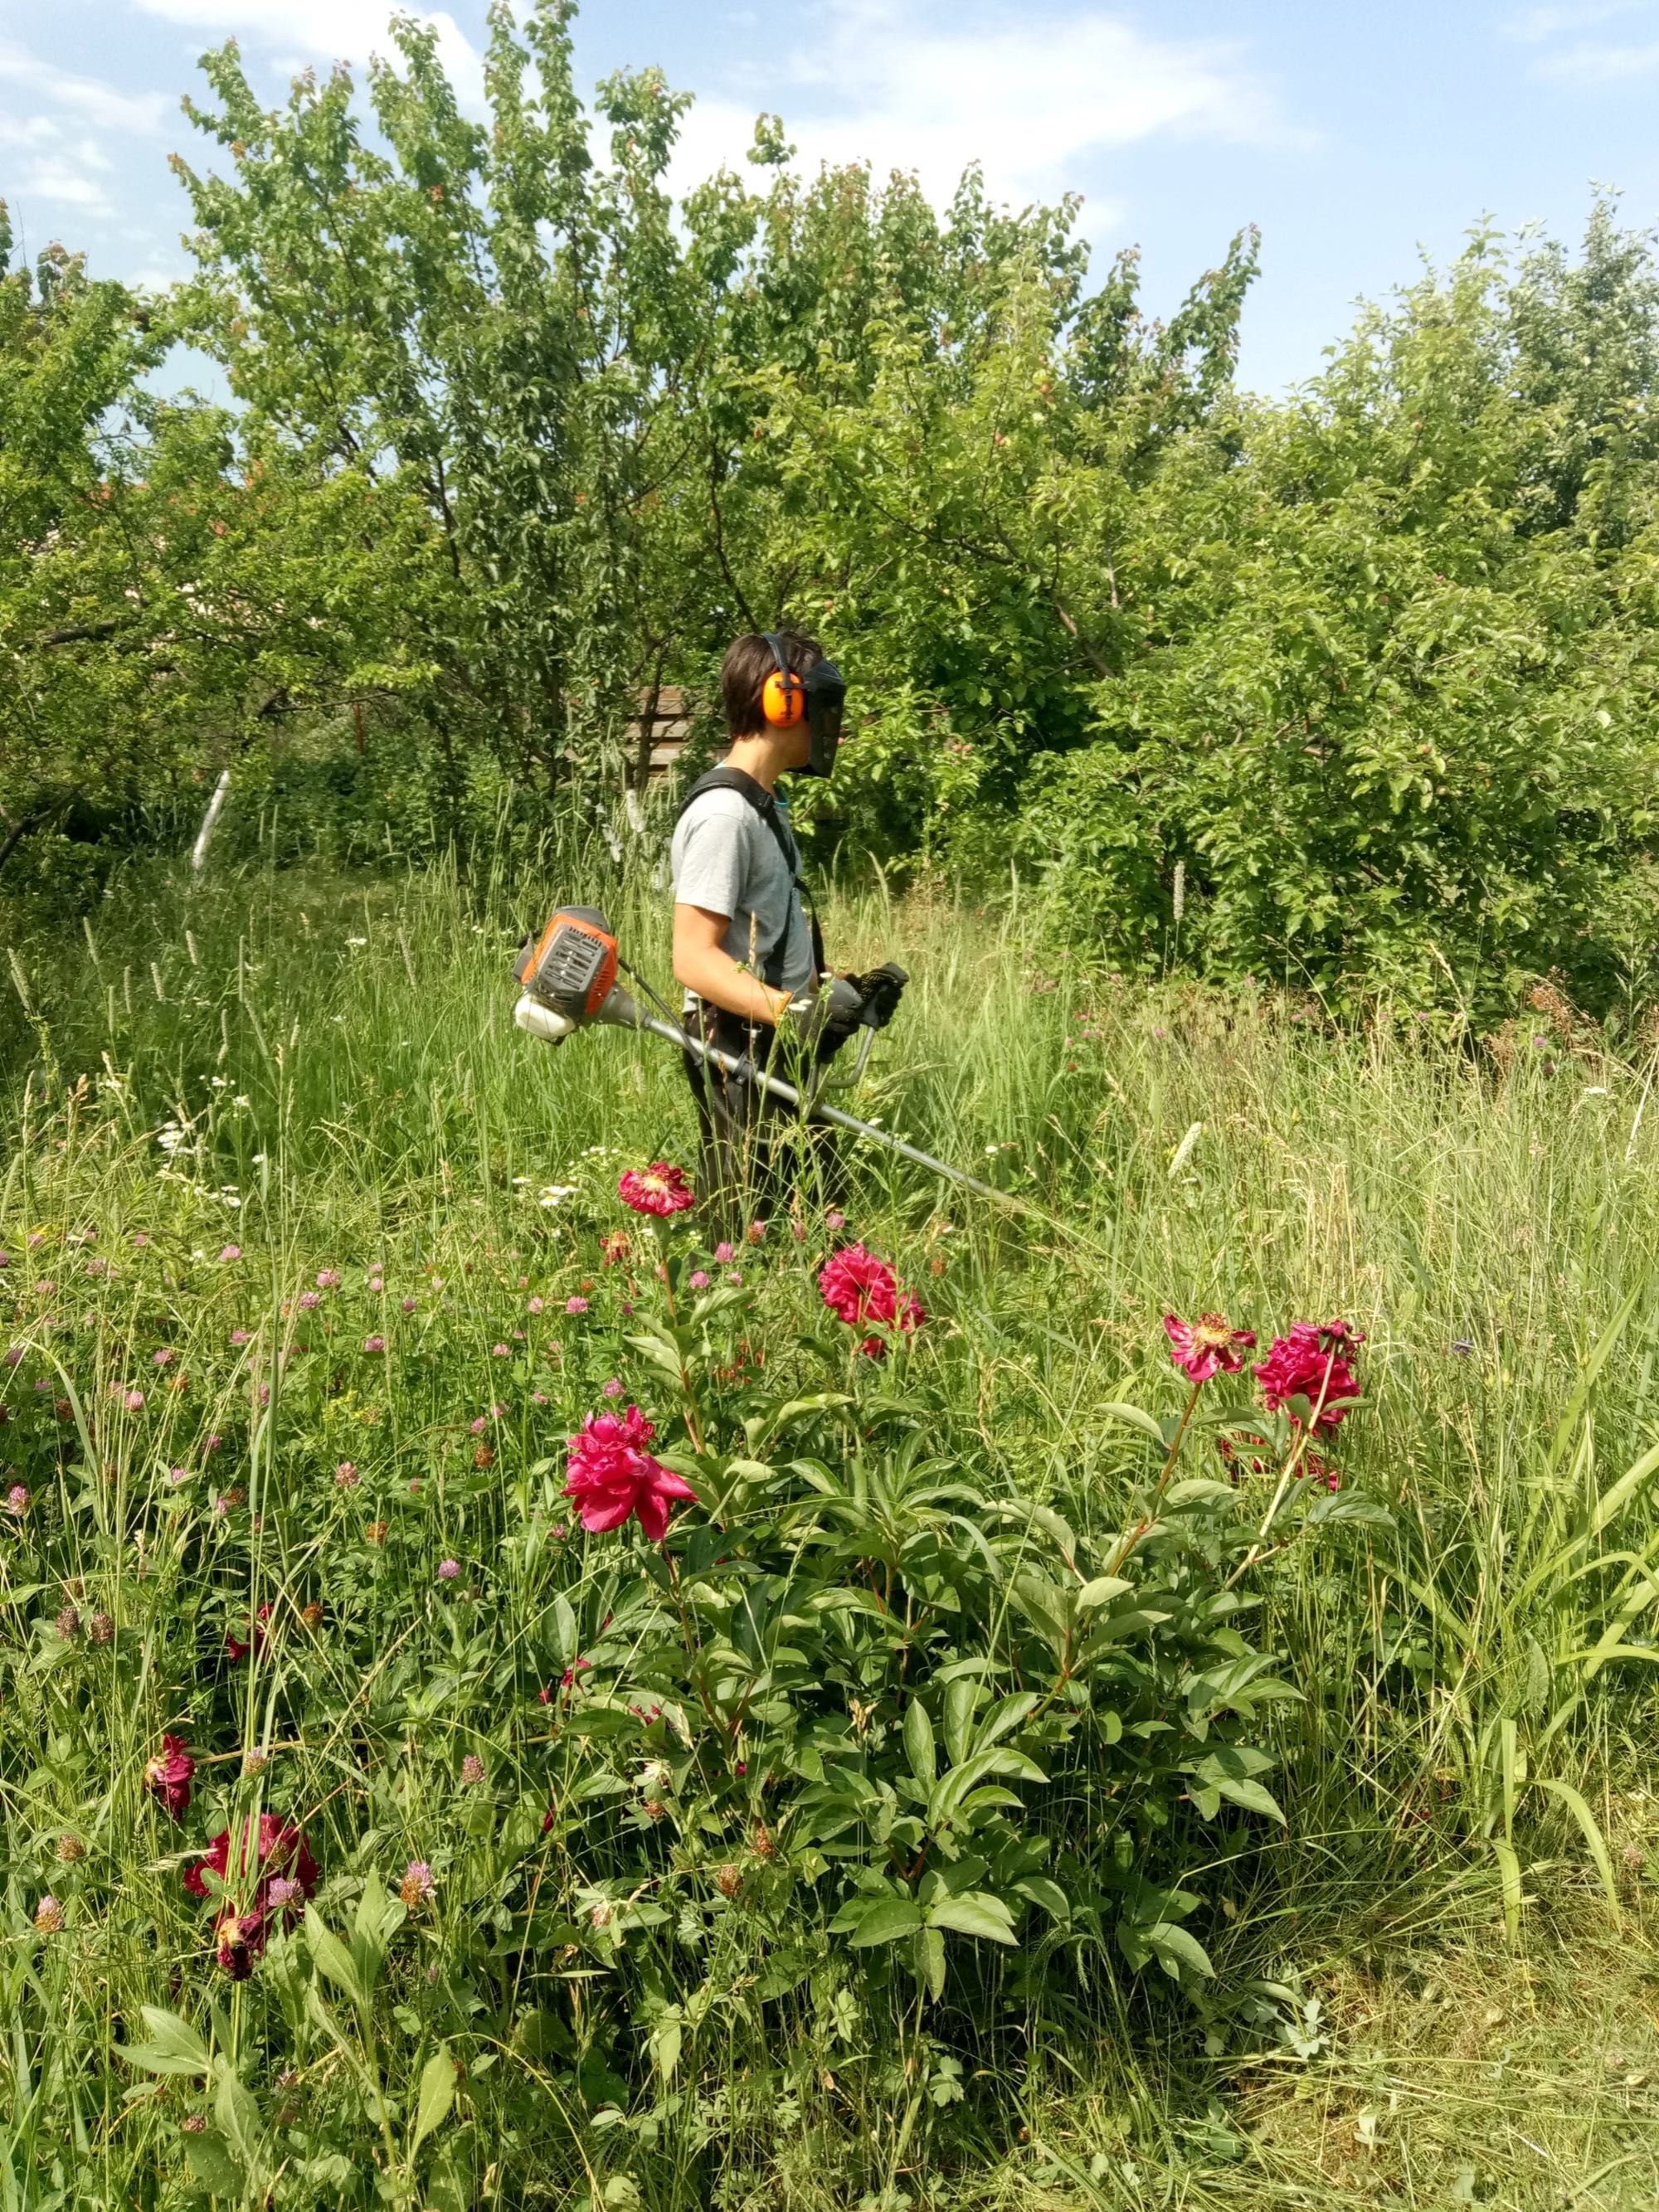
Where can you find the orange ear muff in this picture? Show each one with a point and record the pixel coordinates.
(783, 700)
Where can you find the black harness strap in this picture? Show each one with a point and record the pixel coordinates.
(758, 797)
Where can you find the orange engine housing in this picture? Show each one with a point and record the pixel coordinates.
(572, 966)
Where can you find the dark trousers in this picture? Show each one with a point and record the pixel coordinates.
(757, 1156)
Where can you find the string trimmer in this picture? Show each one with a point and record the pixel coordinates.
(569, 978)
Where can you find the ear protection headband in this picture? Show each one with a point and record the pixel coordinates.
(783, 694)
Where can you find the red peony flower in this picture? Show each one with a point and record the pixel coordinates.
(276, 1861)
(1312, 1362)
(612, 1476)
(236, 1651)
(659, 1189)
(1208, 1346)
(860, 1289)
(168, 1776)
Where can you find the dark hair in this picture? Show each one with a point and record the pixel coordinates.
(749, 661)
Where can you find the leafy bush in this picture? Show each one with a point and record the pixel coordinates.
(848, 1715)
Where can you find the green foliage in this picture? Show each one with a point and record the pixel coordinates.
(898, 1576)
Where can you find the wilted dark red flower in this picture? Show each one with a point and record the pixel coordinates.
(861, 1289)
(266, 1876)
(659, 1189)
(1207, 1346)
(168, 1776)
(235, 1649)
(612, 1476)
(1311, 1361)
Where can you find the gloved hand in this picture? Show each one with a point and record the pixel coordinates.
(826, 1017)
(880, 990)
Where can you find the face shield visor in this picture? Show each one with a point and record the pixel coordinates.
(826, 696)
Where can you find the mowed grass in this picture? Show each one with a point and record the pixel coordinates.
(1460, 1909)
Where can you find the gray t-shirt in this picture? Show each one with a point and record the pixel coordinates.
(727, 861)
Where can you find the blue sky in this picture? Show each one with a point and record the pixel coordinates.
(1357, 138)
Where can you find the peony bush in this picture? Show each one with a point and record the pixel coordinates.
(486, 1754)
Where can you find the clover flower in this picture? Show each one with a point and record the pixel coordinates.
(756, 1233)
(373, 1344)
(133, 1401)
(347, 1475)
(241, 1336)
(448, 1570)
(613, 1389)
(473, 1771)
(17, 1501)
(49, 1916)
(660, 1189)
(1207, 1346)
(613, 1478)
(699, 1280)
(168, 1776)
(417, 1886)
(328, 1279)
(310, 1300)
(226, 1252)
(575, 1305)
(860, 1289)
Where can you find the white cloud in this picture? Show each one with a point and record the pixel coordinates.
(88, 98)
(1030, 97)
(1591, 63)
(1534, 25)
(64, 122)
(62, 180)
(328, 30)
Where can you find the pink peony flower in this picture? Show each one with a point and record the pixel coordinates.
(1208, 1346)
(860, 1289)
(613, 1477)
(168, 1775)
(1311, 1362)
(659, 1189)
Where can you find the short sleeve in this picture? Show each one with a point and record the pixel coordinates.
(710, 864)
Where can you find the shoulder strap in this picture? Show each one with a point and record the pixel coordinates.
(757, 796)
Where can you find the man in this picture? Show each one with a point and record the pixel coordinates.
(744, 948)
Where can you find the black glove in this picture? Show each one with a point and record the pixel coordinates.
(881, 989)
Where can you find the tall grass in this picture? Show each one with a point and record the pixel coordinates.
(323, 1071)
